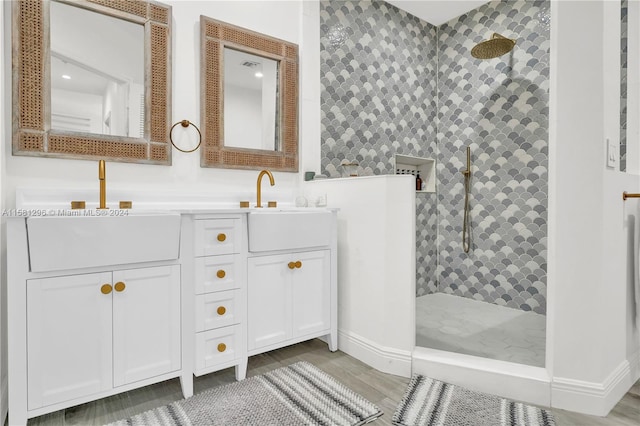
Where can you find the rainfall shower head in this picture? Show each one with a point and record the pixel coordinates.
(492, 48)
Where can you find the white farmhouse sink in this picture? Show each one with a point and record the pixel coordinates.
(285, 230)
(70, 242)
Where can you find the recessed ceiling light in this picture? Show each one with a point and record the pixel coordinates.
(66, 76)
(258, 74)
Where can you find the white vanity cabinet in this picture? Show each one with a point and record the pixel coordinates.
(203, 292)
(291, 279)
(90, 333)
(288, 298)
(217, 290)
(87, 332)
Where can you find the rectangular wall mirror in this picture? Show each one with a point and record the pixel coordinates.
(249, 99)
(91, 80)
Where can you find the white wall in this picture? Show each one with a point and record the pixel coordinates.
(281, 19)
(377, 263)
(5, 134)
(590, 228)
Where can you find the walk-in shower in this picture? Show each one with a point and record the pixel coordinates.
(491, 215)
(402, 86)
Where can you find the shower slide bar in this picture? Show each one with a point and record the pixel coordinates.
(466, 220)
(626, 195)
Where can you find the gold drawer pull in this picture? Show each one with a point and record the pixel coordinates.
(120, 286)
(222, 347)
(222, 237)
(106, 288)
(221, 310)
(298, 264)
(291, 265)
(221, 273)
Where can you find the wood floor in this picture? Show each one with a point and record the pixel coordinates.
(384, 390)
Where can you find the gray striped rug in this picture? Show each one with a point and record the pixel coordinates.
(299, 394)
(432, 402)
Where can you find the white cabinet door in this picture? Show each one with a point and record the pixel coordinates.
(269, 300)
(68, 338)
(311, 292)
(289, 296)
(146, 323)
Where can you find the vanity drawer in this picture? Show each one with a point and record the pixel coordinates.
(217, 236)
(217, 273)
(216, 346)
(215, 310)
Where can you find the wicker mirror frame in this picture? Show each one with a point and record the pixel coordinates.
(215, 36)
(32, 133)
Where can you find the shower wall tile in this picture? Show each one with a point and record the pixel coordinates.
(378, 99)
(381, 95)
(426, 250)
(378, 87)
(498, 107)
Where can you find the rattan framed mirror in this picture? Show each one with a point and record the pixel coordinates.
(33, 134)
(216, 36)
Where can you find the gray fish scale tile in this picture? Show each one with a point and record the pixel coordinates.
(400, 85)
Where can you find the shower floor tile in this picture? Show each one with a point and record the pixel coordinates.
(467, 326)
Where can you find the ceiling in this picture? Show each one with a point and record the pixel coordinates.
(437, 12)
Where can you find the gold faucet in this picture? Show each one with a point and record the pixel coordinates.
(259, 191)
(102, 175)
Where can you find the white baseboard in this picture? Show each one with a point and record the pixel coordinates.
(388, 360)
(591, 397)
(506, 379)
(634, 365)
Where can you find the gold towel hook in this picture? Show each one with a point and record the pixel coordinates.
(626, 195)
(185, 123)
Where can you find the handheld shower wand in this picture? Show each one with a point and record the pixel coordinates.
(466, 232)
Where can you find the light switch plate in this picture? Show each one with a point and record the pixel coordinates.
(612, 153)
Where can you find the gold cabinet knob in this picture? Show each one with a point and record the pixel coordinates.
(222, 237)
(120, 286)
(106, 288)
(221, 310)
(221, 273)
(291, 265)
(222, 347)
(298, 264)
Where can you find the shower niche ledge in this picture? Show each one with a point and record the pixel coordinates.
(425, 167)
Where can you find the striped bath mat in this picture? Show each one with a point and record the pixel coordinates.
(432, 402)
(299, 394)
